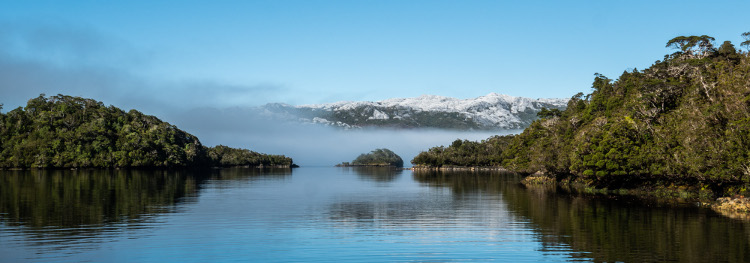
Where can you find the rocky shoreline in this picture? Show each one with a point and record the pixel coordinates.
(735, 206)
(366, 165)
(731, 204)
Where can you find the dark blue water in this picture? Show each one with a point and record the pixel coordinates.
(340, 214)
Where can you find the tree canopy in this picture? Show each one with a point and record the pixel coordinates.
(547, 113)
(691, 44)
(377, 157)
(727, 48)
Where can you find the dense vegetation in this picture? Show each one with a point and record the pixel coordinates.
(466, 153)
(65, 132)
(684, 119)
(377, 157)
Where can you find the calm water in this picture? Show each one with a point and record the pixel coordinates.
(340, 214)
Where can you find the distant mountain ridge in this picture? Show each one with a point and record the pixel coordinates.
(490, 112)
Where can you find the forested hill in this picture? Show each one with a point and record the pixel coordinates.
(64, 132)
(684, 119)
(377, 157)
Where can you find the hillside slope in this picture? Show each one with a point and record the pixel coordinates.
(685, 119)
(66, 132)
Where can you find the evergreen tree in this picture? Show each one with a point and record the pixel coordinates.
(746, 43)
(727, 49)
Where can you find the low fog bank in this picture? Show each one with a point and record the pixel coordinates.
(113, 71)
(310, 144)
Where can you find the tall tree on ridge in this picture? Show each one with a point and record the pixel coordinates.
(690, 44)
(746, 44)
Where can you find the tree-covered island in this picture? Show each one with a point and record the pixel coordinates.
(678, 128)
(378, 157)
(72, 132)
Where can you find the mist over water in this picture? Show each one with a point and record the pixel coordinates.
(92, 64)
(311, 144)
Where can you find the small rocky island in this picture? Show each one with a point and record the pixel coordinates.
(376, 158)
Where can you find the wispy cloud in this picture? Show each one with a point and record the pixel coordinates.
(78, 60)
(67, 45)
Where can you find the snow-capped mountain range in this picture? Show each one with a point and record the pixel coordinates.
(490, 112)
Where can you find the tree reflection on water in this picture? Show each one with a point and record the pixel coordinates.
(606, 228)
(71, 208)
(376, 174)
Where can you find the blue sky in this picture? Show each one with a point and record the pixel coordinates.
(200, 65)
(246, 53)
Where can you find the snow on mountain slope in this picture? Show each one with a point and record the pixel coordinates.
(492, 111)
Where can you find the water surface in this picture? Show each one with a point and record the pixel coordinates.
(341, 214)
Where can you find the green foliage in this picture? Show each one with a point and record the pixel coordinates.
(686, 118)
(224, 156)
(547, 113)
(746, 43)
(65, 132)
(689, 44)
(465, 153)
(378, 157)
(727, 49)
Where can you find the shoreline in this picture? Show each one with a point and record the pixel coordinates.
(458, 168)
(365, 165)
(148, 167)
(723, 198)
(733, 206)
